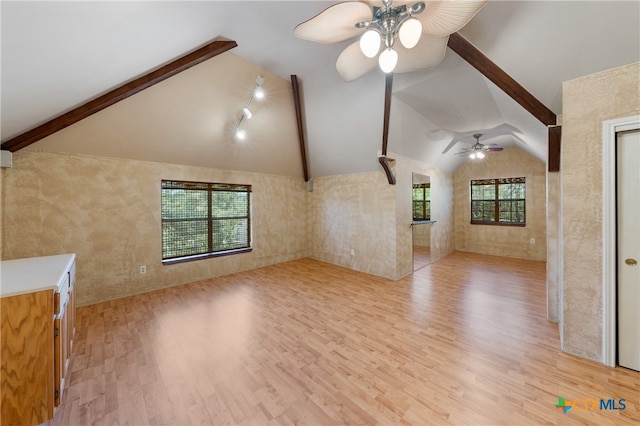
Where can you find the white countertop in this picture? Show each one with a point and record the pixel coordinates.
(21, 276)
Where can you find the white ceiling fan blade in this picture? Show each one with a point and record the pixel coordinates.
(426, 54)
(451, 145)
(352, 64)
(335, 24)
(446, 17)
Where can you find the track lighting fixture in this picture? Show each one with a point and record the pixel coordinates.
(257, 92)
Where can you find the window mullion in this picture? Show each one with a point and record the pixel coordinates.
(248, 220)
(210, 218)
(497, 202)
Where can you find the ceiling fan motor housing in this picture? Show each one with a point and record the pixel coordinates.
(388, 20)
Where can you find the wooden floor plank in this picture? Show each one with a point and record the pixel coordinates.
(463, 340)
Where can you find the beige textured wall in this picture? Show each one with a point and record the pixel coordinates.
(107, 211)
(509, 241)
(363, 212)
(587, 102)
(554, 260)
(422, 235)
(354, 212)
(404, 216)
(442, 211)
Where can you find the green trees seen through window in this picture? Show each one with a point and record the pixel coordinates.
(498, 201)
(422, 201)
(204, 218)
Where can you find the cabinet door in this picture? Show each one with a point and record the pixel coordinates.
(27, 358)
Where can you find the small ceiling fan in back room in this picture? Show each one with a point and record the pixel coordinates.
(477, 150)
(398, 36)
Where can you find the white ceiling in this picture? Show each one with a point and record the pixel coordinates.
(58, 55)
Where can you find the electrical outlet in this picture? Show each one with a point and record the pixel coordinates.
(532, 241)
(143, 269)
(353, 252)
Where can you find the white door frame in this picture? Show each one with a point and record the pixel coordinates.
(609, 236)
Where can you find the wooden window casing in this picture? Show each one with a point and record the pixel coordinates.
(500, 201)
(201, 220)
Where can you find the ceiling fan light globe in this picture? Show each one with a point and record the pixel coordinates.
(480, 155)
(472, 155)
(370, 43)
(410, 33)
(241, 134)
(388, 60)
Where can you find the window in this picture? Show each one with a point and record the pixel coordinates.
(421, 201)
(498, 201)
(204, 219)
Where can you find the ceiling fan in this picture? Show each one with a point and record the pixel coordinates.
(422, 27)
(454, 137)
(477, 150)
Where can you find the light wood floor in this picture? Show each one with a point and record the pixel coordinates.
(461, 341)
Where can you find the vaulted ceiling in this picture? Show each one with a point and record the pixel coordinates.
(58, 55)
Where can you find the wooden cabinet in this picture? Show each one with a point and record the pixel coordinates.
(27, 358)
(37, 316)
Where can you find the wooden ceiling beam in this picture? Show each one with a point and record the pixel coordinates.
(388, 92)
(130, 88)
(384, 161)
(298, 107)
(553, 156)
(489, 69)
